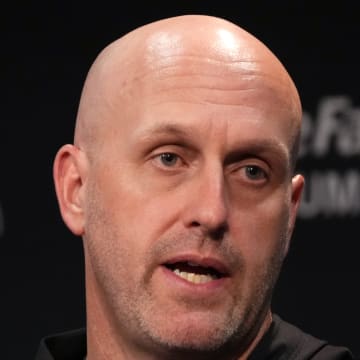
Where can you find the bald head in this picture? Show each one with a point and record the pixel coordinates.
(134, 65)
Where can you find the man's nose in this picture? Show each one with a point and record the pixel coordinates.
(207, 205)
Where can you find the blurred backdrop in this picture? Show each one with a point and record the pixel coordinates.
(46, 52)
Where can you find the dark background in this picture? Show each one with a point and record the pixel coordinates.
(46, 52)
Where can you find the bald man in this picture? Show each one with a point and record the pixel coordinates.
(181, 184)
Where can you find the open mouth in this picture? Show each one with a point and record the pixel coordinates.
(194, 272)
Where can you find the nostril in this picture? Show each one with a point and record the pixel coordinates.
(216, 233)
(219, 232)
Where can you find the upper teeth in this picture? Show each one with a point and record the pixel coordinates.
(194, 278)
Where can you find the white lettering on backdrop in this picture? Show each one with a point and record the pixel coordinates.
(332, 137)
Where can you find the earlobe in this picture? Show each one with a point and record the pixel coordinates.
(69, 171)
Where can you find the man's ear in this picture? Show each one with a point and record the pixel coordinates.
(297, 186)
(69, 172)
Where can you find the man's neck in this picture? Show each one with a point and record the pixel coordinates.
(261, 332)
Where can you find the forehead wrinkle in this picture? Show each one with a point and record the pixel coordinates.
(191, 56)
(229, 106)
(152, 130)
(178, 70)
(244, 75)
(244, 94)
(197, 64)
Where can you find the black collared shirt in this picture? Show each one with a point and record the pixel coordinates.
(282, 341)
(70, 345)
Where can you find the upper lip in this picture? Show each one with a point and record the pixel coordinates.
(200, 260)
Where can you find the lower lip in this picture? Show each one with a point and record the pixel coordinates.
(210, 286)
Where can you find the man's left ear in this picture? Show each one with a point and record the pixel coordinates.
(297, 186)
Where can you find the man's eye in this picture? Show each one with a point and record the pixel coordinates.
(255, 172)
(169, 159)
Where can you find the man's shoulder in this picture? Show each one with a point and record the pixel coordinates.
(285, 341)
(69, 345)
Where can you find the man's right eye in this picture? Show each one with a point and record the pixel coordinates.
(168, 159)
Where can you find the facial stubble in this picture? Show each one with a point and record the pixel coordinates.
(133, 305)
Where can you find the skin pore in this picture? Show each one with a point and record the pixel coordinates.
(181, 183)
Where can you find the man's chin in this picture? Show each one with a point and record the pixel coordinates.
(194, 335)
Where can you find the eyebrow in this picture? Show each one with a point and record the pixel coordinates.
(244, 148)
(256, 147)
(164, 129)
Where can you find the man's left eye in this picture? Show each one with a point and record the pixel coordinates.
(254, 172)
(169, 159)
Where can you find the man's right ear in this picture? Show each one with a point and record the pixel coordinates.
(69, 171)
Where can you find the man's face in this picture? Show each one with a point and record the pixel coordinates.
(190, 203)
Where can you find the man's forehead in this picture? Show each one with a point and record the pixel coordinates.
(176, 46)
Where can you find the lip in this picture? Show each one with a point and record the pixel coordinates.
(204, 261)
